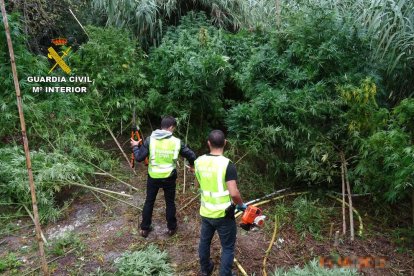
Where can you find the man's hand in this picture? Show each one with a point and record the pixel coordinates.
(135, 143)
(190, 168)
(241, 207)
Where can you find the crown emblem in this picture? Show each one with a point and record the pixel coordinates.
(59, 41)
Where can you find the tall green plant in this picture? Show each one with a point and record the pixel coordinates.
(387, 163)
(149, 18)
(189, 72)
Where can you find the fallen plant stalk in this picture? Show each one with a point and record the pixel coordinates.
(99, 189)
(15, 229)
(120, 148)
(270, 246)
(120, 200)
(242, 271)
(110, 175)
(31, 216)
(272, 199)
(57, 258)
(100, 200)
(188, 203)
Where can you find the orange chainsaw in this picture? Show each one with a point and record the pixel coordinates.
(252, 218)
(135, 135)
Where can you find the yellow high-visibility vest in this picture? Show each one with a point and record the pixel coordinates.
(210, 171)
(163, 155)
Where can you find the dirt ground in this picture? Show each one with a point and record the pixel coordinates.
(107, 234)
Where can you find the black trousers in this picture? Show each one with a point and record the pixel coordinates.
(153, 185)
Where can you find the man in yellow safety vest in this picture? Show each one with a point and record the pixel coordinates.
(217, 177)
(163, 149)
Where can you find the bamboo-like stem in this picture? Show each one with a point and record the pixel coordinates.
(267, 196)
(270, 246)
(13, 216)
(188, 203)
(100, 200)
(120, 148)
(343, 195)
(412, 199)
(270, 200)
(361, 225)
(348, 186)
(184, 168)
(278, 13)
(16, 229)
(44, 266)
(52, 260)
(31, 216)
(110, 175)
(120, 200)
(99, 189)
(242, 271)
(241, 158)
(74, 16)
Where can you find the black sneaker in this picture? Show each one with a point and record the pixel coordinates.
(210, 269)
(145, 232)
(171, 232)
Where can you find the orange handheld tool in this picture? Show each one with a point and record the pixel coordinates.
(135, 135)
(252, 217)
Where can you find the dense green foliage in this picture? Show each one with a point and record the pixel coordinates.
(387, 156)
(294, 93)
(309, 217)
(189, 70)
(148, 261)
(149, 19)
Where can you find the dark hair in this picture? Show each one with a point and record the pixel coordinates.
(168, 121)
(216, 138)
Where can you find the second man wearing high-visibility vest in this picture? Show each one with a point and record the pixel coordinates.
(163, 149)
(220, 197)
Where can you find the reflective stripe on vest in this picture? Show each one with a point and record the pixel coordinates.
(211, 172)
(163, 154)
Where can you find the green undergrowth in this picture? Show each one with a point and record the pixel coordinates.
(313, 268)
(404, 239)
(147, 261)
(10, 263)
(308, 215)
(61, 245)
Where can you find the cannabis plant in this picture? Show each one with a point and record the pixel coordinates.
(148, 261)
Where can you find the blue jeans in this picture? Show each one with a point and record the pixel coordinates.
(227, 230)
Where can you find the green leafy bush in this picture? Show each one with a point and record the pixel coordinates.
(404, 238)
(386, 165)
(189, 71)
(148, 261)
(149, 19)
(114, 61)
(309, 217)
(313, 268)
(9, 262)
(51, 171)
(64, 243)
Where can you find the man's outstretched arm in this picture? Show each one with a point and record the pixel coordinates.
(188, 154)
(141, 152)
